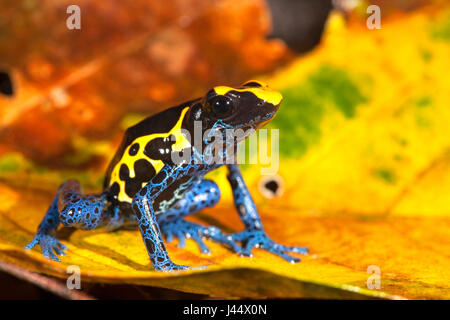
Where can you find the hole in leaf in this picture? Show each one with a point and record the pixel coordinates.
(271, 186)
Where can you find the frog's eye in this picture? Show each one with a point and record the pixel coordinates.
(221, 105)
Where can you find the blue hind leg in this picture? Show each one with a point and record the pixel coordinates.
(73, 209)
(204, 194)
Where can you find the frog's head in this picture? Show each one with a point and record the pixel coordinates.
(249, 106)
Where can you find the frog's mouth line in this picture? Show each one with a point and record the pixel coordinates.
(259, 122)
(248, 130)
(247, 126)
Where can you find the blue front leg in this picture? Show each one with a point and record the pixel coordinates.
(72, 208)
(46, 234)
(144, 204)
(254, 234)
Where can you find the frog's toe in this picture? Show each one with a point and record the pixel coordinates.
(168, 267)
(194, 236)
(48, 253)
(169, 236)
(301, 250)
(49, 246)
(32, 244)
(184, 229)
(259, 239)
(181, 241)
(59, 251)
(62, 246)
(279, 252)
(201, 245)
(215, 234)
(178, 267)
(171, 233)
(249, 245)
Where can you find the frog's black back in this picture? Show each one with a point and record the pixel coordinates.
(118, 173)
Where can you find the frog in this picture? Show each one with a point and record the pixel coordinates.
(157, 178)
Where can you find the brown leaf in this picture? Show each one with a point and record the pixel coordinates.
(81, 82)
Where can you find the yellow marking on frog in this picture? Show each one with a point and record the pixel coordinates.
(180, 143)
(264, 92)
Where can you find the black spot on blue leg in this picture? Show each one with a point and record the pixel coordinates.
(150, 245)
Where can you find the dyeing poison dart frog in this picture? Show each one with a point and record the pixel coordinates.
(156, 178)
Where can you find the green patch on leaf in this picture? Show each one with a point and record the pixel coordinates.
(336, 86)
(440, 30)
(307, 102)
(427, 56)
(401, 141)
(424, 101)
(385, 174)
(10, 162)
(298, 120)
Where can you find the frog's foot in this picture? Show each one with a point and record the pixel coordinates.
(48, 244)
(170, 266)
(183, 229)
(258, 239)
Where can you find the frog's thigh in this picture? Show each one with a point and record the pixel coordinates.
(204, 194)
